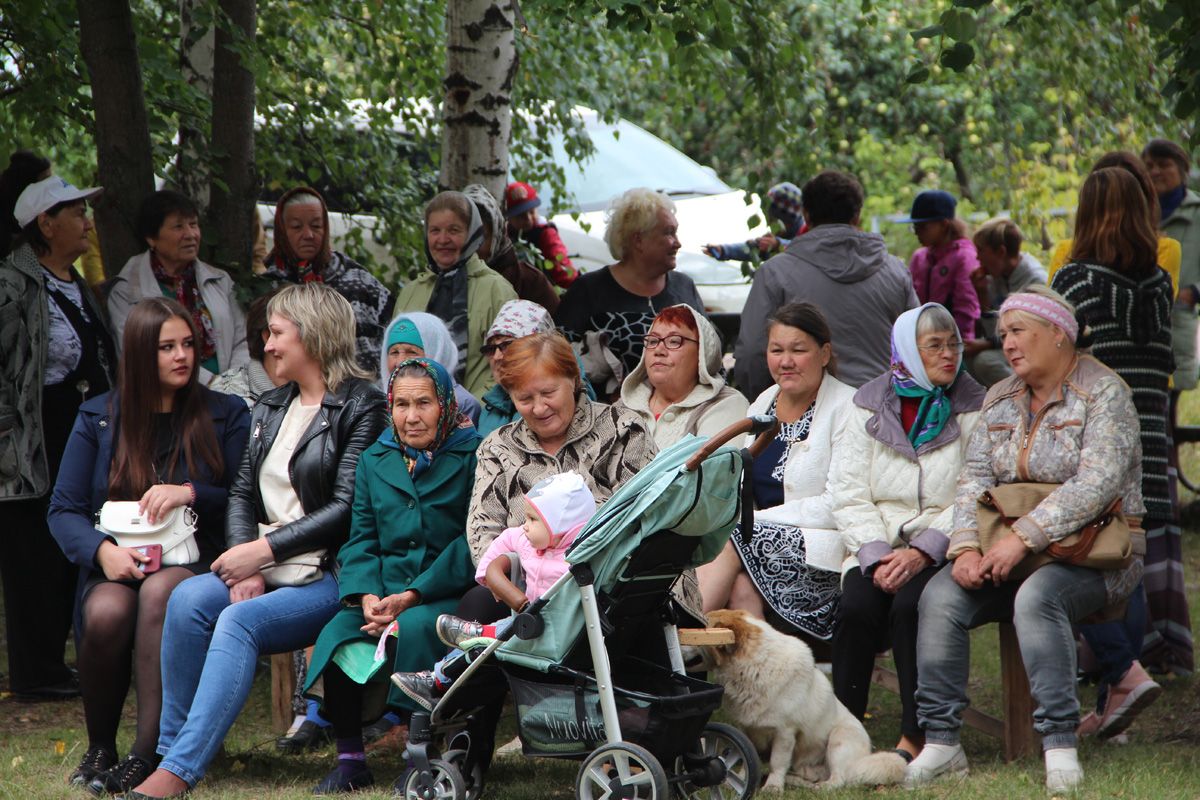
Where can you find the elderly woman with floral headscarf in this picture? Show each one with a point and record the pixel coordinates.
(499, 252)
(406, 561)
(517, 318)
(457, 286)
(892, 476)
(415, 334)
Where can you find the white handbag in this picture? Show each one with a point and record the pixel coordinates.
(175, 532)
(299, 570)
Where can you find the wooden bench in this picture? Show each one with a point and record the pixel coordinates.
(1015, 728)
(283, 686)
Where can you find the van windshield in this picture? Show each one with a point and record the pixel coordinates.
(625, 157)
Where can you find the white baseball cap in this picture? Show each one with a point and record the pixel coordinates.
(45, 195)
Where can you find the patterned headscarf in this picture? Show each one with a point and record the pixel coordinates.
(284, 258)
(452, 426)
(910, 380)
(186, 289)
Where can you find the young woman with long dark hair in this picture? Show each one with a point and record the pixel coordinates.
(165, 441)
(1115, 281)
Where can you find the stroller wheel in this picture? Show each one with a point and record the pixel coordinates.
(621, 770)
(473, 779)
(732, 771)
(444, 782)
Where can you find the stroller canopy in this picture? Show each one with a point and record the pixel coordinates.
(662, 496)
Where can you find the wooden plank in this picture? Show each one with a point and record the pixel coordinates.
(283, 686)
(1018, 702)
(705, 636)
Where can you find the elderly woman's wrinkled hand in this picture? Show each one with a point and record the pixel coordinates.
(967, 570)
(379, 612)
(897, 568)
(999, 562)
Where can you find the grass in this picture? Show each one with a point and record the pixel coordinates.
(41, 743)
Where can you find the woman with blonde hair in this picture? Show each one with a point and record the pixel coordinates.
(608, 312)
(273, 589)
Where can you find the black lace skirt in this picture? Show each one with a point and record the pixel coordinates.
(803, 596)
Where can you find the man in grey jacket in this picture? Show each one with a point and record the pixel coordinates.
(844, 271)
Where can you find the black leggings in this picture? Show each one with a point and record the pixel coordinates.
(868, 621)
(122, 636)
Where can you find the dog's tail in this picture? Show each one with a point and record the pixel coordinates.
(877, 769)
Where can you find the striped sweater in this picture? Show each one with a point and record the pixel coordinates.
(1131, 322)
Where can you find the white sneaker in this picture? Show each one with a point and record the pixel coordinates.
(934, 761)
(1063, 773)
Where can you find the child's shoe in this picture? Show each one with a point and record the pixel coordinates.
(420, 687)
(453, 631)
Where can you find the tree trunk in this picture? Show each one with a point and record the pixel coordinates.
(960, 175)
(234, 185)
(197, 41)
(126, 167)
(481, 61)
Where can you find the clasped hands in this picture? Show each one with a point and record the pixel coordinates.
(972, 568)
(379, 612)
(897, 567)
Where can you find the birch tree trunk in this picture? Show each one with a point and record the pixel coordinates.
(197, 45)
(234, 182)
(481, 61)
(108, 44)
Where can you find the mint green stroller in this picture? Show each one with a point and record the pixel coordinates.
(595, 665)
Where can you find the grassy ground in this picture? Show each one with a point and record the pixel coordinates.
(41, 743)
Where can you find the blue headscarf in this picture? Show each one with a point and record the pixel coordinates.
(452, 426)
(910, 380)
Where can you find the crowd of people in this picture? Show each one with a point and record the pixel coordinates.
(359, 459)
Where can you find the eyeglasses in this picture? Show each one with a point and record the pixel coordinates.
(949, 347)
(672, 342)
(489, 350)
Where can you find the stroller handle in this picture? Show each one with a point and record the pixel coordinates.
(763, 425)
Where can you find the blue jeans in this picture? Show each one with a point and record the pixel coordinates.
(1043, 608)
(209, 652)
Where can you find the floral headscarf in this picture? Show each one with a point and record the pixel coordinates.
(452, 426)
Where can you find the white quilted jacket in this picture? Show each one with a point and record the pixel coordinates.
(807, 492)
(882, 493)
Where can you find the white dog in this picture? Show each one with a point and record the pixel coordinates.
(775, 693)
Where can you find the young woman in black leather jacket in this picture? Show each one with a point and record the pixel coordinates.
(291, 499)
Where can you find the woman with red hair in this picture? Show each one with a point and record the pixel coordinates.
(679, 386)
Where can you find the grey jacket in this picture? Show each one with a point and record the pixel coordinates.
(24, 334)
(856, 283)
(137, 282)
(1087, 440)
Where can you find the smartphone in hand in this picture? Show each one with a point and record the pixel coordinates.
(154, 553)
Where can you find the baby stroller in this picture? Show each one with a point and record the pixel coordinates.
(595, 665)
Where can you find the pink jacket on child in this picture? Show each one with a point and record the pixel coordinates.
(943, 275)
(542, 567)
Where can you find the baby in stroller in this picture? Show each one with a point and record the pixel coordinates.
(556, 509)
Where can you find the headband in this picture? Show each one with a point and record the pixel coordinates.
(1050, 310)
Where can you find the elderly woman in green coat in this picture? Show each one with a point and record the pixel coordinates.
(406, 562)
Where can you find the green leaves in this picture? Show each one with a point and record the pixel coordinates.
(959, 24)
(958, 57)
(928, 32)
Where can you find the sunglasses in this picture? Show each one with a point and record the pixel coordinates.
(489, 350)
